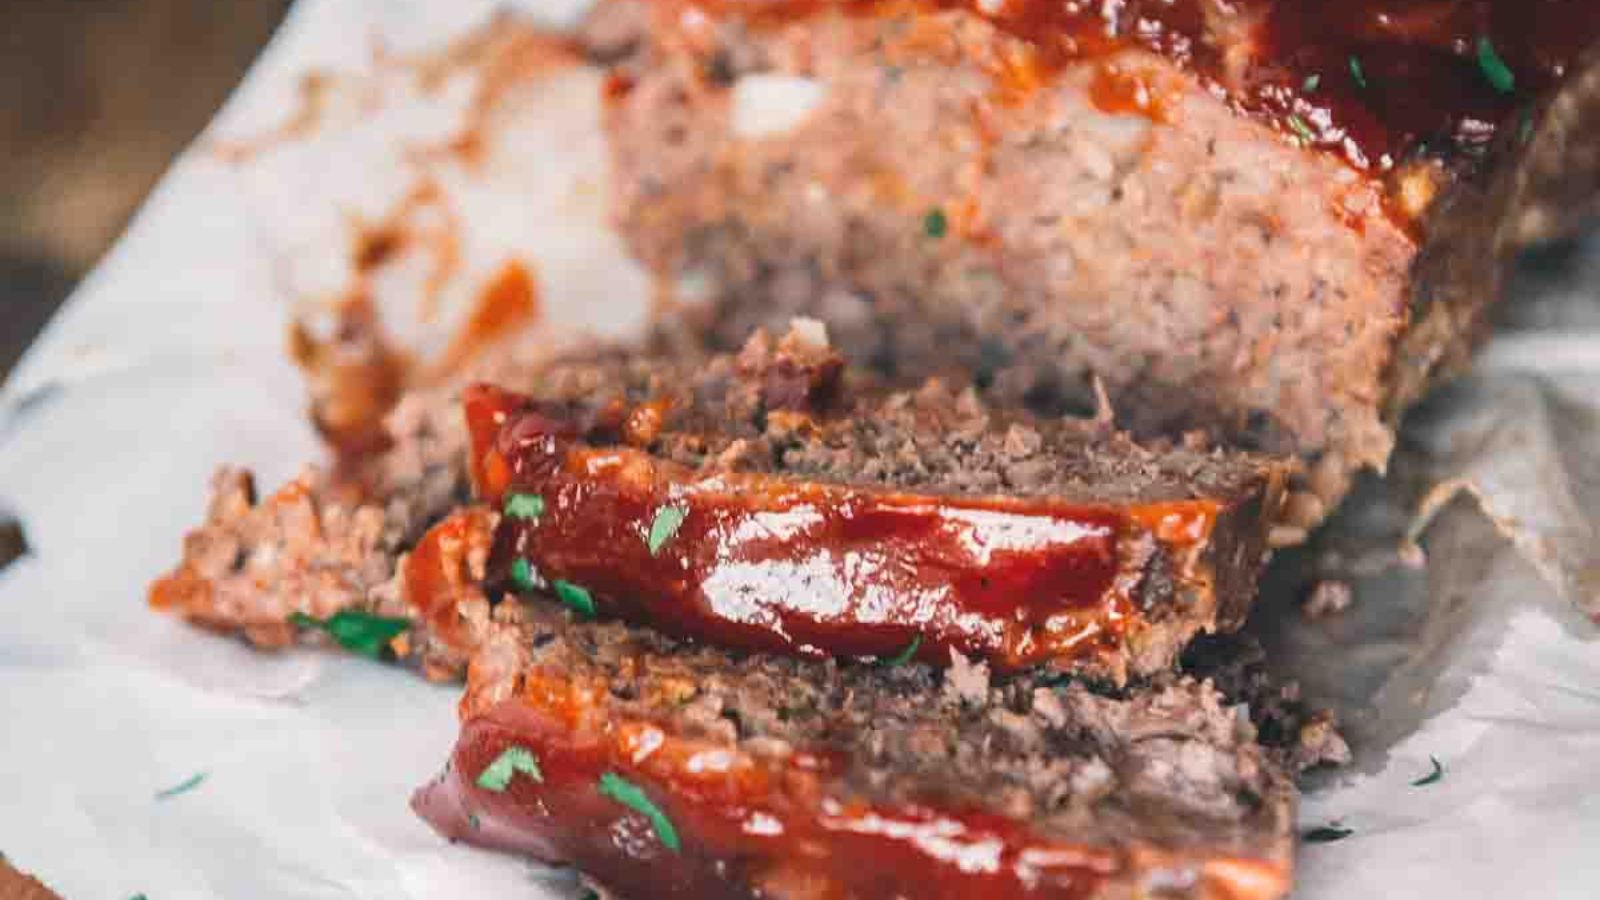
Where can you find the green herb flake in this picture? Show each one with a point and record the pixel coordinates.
(589, 894)
(496, 776)
(138, 897)
(1311, 83)
(473, 823)
(630, 795)
(1525, 130)
(527, 507)
(1494, 69)
(576, 598)
(1301, 129)
(666, 524)
(1434, 777)
(358, 632)
(522, 575)
(182, 787)
(905, 655)
(1358, 73)
(935, 224)
(1327, 834)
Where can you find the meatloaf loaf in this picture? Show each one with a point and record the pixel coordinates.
(665, 770)
(768, 501)
(1213, 207)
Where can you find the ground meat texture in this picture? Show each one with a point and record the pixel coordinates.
(769, 777)
(771, 501)
(328, 542)
(943, 204)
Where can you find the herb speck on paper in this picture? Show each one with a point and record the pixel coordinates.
(1327, 834)
(1433, 777)
(182, 787)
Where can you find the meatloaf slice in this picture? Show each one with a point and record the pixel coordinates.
(333, 543)
(771, 501)
(665, 770)
(325, 544)
(1175, 197)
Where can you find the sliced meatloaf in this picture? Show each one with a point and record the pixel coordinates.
(1212, 207)
(770, 501)
(324, 544)
(665, 770)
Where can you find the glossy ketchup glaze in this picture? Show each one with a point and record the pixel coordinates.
(758, 561)
(1375, 81)
(743, 827)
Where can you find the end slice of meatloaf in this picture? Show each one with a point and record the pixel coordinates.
(770, 501)
(952, 184)
(665, 770)
(324, 545)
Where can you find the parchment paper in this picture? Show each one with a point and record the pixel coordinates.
(170, 360)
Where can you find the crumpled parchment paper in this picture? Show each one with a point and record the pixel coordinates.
(1474, 561)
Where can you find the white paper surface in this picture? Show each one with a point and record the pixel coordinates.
(170, 360)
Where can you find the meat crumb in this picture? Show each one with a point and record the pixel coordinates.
(1328, 597)
(966, 681)
(13, 541)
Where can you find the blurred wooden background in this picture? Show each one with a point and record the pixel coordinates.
(96, 97)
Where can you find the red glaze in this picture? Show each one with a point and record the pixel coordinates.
(1418, 57)
(763, 562)
(755, 827)
(441, 581)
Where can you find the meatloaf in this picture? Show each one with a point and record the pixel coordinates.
(666, 770)
(770, 501)
(939, 523)
(1212, 207)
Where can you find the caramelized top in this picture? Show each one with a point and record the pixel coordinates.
(1376, 81)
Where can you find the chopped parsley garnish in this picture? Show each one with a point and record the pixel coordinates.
(496, 776)
(1301, 128)
(667, 522)
(524, 506)
(576, 598)
(1494, 69)
(138, 897)
(1525, 130)
(630, 795)
(1327, 834)
(905, 655)
(473, 823)
(522, 575)
(1311, 83)
(1434, 777)
(182, 787)
(1358, 73)
(589, 894)
(935, 224)
(358, 632)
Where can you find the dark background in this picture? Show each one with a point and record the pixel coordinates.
(96, 97)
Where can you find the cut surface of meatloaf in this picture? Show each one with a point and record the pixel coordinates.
(771, 501)
(954, 184)
(664, 770)
(324, 544)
